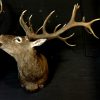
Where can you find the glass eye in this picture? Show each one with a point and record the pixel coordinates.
(18, 39)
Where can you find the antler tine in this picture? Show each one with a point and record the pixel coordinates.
(28, 30)
(83, 19)
(76, 7)
(1, 7)
(45, 22)
(90, 30)
(39, 29)
(65, 39)
(43, 27)
(56, 27)
(30, 25)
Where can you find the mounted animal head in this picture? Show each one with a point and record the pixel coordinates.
(33, 68)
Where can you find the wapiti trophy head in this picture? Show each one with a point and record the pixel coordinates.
(15, 44)
(33, 68)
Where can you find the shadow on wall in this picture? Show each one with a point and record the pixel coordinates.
(97, 76)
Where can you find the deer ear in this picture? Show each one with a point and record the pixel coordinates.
(38, 42)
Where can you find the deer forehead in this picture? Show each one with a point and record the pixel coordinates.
(13, 39)
(14, 44)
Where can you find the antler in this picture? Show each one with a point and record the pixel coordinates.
(57, 32)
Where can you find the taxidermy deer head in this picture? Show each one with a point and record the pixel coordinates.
(32, 66)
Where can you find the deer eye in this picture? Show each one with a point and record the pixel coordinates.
(18, 39)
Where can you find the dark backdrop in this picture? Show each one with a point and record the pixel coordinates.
(74, 71)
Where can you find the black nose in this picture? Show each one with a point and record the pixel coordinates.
(0, 44)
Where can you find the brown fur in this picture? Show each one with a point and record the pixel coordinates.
(32, 68)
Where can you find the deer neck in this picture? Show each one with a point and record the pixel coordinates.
(27, 59)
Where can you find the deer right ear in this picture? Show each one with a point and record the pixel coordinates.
(38, 42)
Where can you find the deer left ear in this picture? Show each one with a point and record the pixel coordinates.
(38, 42)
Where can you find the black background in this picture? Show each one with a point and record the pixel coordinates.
(74, 71)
